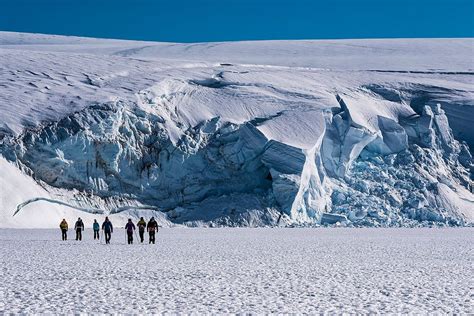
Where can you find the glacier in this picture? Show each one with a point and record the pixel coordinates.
(292, 133)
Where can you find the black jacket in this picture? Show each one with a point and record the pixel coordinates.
(152, 226)
(79, 225)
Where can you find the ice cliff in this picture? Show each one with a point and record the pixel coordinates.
(235, 145)
(383, 178)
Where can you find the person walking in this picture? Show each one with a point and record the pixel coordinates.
(96, 228)
(141, 229)
(108, 230)
(64, 227)
(130, 228)
(152, 228)
(79, 227)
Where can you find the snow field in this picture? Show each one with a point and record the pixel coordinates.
(240, 270)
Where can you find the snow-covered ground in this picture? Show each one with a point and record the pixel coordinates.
(240, 270)
(361, 132)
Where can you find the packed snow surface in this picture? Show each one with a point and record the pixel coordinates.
(240, 270)
(355, 132)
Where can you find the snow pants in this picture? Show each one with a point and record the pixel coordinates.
(152, 237)
(96, 234)
(130, 237)
(142, 234)
(79, 234)
(64, 234)
(107, 234)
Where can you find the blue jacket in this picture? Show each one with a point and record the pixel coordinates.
(107, 226)
(96, 226)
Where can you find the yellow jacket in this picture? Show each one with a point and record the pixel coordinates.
(63, 225)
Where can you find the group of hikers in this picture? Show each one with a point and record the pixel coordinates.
(107, 227)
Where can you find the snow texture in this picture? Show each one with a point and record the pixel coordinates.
(362, 271)
(346, 132)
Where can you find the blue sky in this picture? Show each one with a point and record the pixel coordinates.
(228, 20)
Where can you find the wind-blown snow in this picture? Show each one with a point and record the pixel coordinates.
(357, 271)
(223, 133)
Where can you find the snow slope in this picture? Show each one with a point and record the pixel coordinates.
(244, 133)
(17, 188)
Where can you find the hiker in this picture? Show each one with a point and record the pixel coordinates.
(64, 227)
(130, 227)
(141, 229)
(108, 230)
(152, 227)
(96, 228)
(79, 227)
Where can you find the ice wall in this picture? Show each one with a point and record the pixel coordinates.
(396, 174)
(227, 173)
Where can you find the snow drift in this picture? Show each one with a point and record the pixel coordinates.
(210, 137)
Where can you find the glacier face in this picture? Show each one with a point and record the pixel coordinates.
(225, 144)
(398, 172)
(389, 177)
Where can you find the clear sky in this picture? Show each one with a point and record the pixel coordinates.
(228, 20)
